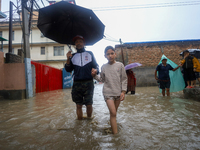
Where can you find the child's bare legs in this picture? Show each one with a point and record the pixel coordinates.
(192, 83)
(198, 80)
(117, 102)
(188, 83)
(163, 92)
(112, 106)
(168, 93)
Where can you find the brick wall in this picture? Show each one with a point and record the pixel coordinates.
(12, 58)
(150, 54)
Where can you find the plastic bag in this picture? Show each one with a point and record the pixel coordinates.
(176, 77)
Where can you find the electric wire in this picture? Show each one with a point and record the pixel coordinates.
(147, 4)
(110, 8)
(109, 38)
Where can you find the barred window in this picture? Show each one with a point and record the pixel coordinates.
(42, 52)
(58, 50)
(13, 35)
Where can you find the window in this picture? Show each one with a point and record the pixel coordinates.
(58, 50)
(13, 50)
(42, 52)
(13, 35)
(1, 34)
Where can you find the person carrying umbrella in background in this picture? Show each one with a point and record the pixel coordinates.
(131, 77)
(131, 81)
(82, 63)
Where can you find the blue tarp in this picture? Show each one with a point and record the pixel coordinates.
(176, 77)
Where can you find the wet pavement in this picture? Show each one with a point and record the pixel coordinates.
(146, 120)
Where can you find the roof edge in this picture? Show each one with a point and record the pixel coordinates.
(168, 41)
(148, 43)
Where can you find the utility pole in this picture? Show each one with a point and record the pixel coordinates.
(122, 51)
(10, 28)
(26, 47)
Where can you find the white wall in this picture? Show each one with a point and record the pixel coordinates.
(17, 36)
(35, 37)
(58, 65)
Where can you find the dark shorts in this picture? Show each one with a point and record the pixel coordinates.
(82, 92)
(197, 75)
(164, 84)
(189, 74)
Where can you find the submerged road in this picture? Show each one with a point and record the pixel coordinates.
(146, 120)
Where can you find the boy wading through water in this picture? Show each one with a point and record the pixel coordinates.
(163, 76)
(114, 76)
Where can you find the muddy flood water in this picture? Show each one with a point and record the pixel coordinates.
(146, 121)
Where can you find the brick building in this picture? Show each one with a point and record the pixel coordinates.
(149, 55)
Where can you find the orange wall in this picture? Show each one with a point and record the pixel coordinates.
(1, 70)
(12, 75)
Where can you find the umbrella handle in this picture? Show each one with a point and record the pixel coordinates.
(69, 47)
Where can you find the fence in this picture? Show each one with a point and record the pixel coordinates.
(47, 78)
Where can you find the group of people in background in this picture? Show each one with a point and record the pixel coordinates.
(190, 69)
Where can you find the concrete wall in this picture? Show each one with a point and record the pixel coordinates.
(12, 79)
(57, 65)
(14, 76)
(1, 70)
(145, 76)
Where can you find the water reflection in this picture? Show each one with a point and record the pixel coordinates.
(146, 120)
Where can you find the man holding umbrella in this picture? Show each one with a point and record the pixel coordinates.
(82, 63)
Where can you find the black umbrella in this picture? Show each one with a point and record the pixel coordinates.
(63, 21)
(193, 52)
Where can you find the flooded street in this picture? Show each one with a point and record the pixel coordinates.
(145, 121)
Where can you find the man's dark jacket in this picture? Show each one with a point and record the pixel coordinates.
(82, 63)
